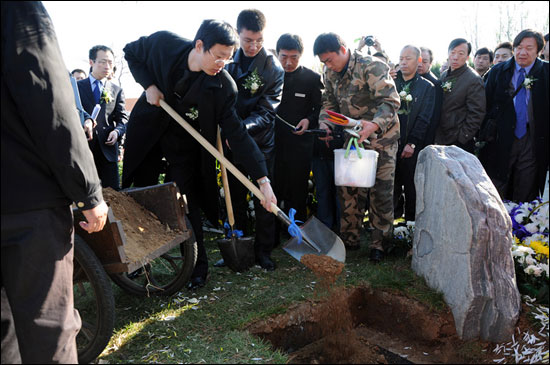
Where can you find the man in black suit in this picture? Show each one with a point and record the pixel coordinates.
(300, 106)
(46, 166)
(112, 118)
(417, 103)
(516, 126)
(259, 78)
(190, 77)
(424, 70)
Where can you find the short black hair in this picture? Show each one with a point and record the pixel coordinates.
(78, 70)
(546, 37)
(290, 42)
(506, 45)
(252, 20)
(212, 32)
(327, 42)
(529, 33)
(424, 49)
(485, 50)
(457, 42)
(93, 51)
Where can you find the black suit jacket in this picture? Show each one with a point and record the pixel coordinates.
(434, 121)
(158, 59)
(45, 159)
(258, 110)
(113, 115)
(500, 108)
(301, 99)
(421, 110)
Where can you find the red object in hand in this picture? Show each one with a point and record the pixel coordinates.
(337, 118)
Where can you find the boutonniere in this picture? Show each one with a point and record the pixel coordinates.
(406, 98)
(193, 113)
(253, 82)
(105, 96)
(448, 85)
(528, 82)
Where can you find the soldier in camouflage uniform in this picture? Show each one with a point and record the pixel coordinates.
(361, 88)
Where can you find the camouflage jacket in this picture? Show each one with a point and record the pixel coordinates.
(366, 91)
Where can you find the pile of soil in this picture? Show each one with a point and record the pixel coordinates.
(144, 232)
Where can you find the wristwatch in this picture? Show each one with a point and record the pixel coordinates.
(412, 145)
(263, 181)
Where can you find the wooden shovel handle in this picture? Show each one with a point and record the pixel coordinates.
(228, 204)
(214, 152)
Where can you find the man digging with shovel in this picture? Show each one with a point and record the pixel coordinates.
(190, 76)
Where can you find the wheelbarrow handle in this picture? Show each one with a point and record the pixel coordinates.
(220, 157)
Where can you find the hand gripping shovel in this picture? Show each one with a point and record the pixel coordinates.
(237, 251)
(313, 237)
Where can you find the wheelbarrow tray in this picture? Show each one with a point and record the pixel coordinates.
(111, 243)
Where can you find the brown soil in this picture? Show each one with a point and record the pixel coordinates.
(144, 232)
(362, 325)
(325, 268)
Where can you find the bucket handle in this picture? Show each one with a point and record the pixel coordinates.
(353, 141)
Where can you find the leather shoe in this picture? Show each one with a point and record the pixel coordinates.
(220, 263)
(196, 283)
(266, 263)
(376, 255)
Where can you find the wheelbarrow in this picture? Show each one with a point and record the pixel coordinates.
(163, 269)
(313, 237)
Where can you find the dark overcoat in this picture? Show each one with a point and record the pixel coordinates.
(159, 59)
(499, 91)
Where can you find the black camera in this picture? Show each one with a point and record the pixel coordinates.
(369, 40)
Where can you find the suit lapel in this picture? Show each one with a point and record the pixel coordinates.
(87, 93)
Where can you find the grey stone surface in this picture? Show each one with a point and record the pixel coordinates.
(462, 242)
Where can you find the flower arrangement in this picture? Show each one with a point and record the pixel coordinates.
(528, 82)
(253, 82)
(530, 248)
(448, 85)
(193, 113)
(406, 97)
(403, 236)
(105, 96)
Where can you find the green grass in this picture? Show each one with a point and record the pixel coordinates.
(175, 330)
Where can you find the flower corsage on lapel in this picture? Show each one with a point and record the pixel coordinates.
(253, 82)
(193, 113)
(448, 85)
(406, 98)
(528, 82)
(105, 96)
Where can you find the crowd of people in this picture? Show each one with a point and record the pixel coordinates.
(272, 113)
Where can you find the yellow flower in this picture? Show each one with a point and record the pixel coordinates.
(516, 241)
(539, 247)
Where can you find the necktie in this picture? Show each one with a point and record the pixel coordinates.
(521, 107)
(97, 93)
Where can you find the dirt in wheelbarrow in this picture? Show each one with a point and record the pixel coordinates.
(144, 232)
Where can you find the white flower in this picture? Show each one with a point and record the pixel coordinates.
(402, 94)
(544, 267)
(523, 251)
(530, 261)
(254, 86)
(533, 270)
(532, 227)
(409, 98)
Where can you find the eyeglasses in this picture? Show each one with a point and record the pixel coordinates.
(221, 61)
(104, 62)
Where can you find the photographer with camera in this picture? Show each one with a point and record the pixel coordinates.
(371, 41)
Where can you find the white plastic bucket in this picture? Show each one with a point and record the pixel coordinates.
(355, 171)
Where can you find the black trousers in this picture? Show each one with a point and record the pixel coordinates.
(39, 322)
(265, 221)
(404, 186)
(107, 170)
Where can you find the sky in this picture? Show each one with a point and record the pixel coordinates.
(80, 25)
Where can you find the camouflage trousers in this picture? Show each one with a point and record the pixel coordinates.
(353, 203)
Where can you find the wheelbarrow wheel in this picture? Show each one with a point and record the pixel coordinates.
(93, 297)
(165, 275)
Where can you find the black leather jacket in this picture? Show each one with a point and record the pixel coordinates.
(257, 109)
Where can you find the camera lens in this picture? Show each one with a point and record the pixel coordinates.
(369, 41)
